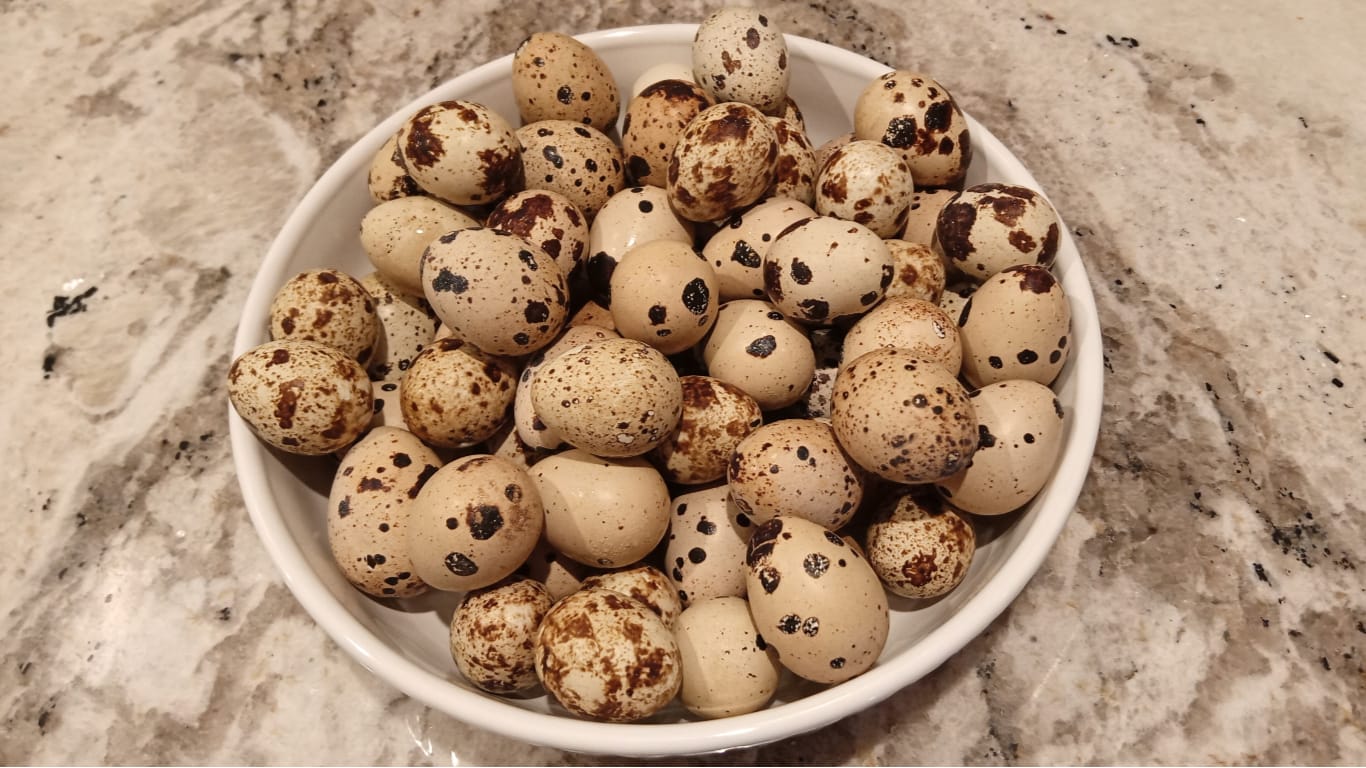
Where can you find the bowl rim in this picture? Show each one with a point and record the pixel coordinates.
(659, 739)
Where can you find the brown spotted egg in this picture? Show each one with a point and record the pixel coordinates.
(407, 326)
(455, 395)
(916, 115)
(795, 467)
(728, 669)
(614, 397)
(493, 634)
(825, 269)
(473, 523)
(368, 509)
(606, 513)
(716, 416)
(646, 585)
(915, 325)
(301, 396)
(605, 656)
(824, 151)
(664, 70)
(634, 216)
(327, 306)
(754, 347)
(555, 77)
(388, 179)
(737, 249)
(532, 431)
(923, 213)
(815, 600)
(794, 172)
(577, 161)
(919, 547)
(903, 418)
(655, 120)
(739, 54)
(1015, 326)
(919, 271)
(395, 233)
(989, 227)
(461, 152)
(867, 182)
(705, 554)
(547, 219)
(791, 114)
(1020, 424)
(496, 290)
(723, 162)
(664, 295)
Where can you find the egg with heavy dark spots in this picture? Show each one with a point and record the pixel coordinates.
(755, 348)
(919, 547)
(736, 251)
(705, 555)
(301, 396)
(867, 182)
(548, 219)
(1016, 326)
(655, 120)
(664, 294)
(988, 227)
(577, 161)
(916, 116)
(822, 270)
(723, 162)
(461, 152)
(794, 172)
(388, 179)
(716, 416)
(795, 467)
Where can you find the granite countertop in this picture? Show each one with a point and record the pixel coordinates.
(1203, 604)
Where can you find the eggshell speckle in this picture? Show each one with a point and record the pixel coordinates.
(795, 467)
(461, 152)
(555, 77)
(920, 548)
(646, 585)
(301, 396)
(454, 395)
(989, 227)
(716, 417)
(1015, 326)
(327, 306)
(548, 219)
(493, 634)
(739, 54)
(723, 161)
(705, 556)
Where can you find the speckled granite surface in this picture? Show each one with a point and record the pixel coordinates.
(1204, 603)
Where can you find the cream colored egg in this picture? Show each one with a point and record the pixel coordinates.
(824, 151)
(923, 213)
(395, 233)
(737, 249)
(561, 575)
(548, 219)
(506, 444)
(473, 523)
(388, 179)
(823, 270)
(914, 325)
(407, 325)
(605, 656)
(646, 585)
(867, 182)
(1020, 424)
(606, 513)
(461, 152)
(614, 397)
(795, 467)
(368, 511)
(723, 162)
(632, 217)
(327, 306)
(454, 395)
(795, 170)
(705, 554)
(916, 115)
(716, 416)
(493, 634)
(577, 161)
(920, 548)
(301, 396)
(728, 669)
(919, 271)
(655, 120)
(753, 347)
(664, 294)
(739, 54)
(555, 77)
(534, 432)
(791, 114)
(1015, 326)
(989, 227)
(815, 600)
(955, 297)
(903, 418)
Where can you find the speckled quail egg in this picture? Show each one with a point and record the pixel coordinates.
(388, 179)
(547, 219)
(301, 396)
(915, 325)
(496, 290)
(395, 233)
(368, 509)
(493, 634)
(795, 170)
(1020, 424)
(815, 600)
(646, 585)
(595, 314)
(664, 295)
(919, 271)
(795, 467)
(506, 444)
(407, 325)
(455, 395)
(705, 553)
(561, 575)
(555, 77)
(728, 669)
(1015, 326)
(903, 418)
(955, 297)
(461, 152)
(614, 397)
(327, 306)
(824, 269)
(916, 115)
(989, 227)
(723, 161)
(607, 513)
(388, 411)
(737, 249)
(824, 150)
(634, 216)
(739, 54)
(791, 114)
(474, 522)
(755, 348)
(716, 416)
(605, 656)
(655, 120)
(923, 213)
(919, 547)
(868, 182)
(534, 432)
(664, 70)
(577, 161)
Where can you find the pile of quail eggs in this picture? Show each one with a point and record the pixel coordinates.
(675, 411)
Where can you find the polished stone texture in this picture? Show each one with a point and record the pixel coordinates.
(1203, 604)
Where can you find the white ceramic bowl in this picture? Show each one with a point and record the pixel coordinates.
(407, 644)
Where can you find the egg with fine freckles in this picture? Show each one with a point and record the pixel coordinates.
(646, 585)
(462, 152)
(716, 416)
(577, 161)
(555, 77)
(728, 669)
(327, 306)
(920, 547)
(988, 227)
(795, 467)
(473, 523)
(407, 325)
(534, 432)
(919, 271)
(914, 325)
(493, 634)
(1015, 326)
(455, 395)
(723, 162)
(815, 600)
(301, 396)
(739, 54)
(867, 182)
(916, 116)
(664, 295)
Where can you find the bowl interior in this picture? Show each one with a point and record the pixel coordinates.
(405, 642)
